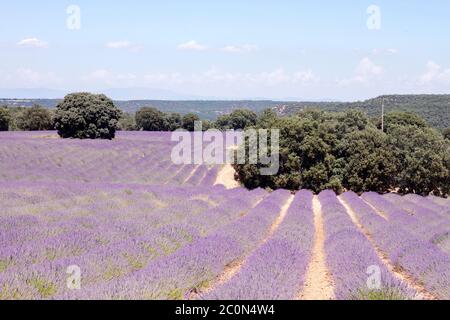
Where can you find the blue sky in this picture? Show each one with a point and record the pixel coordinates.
(230, 49)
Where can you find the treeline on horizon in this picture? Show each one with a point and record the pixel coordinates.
(434, 108)
(319, 150)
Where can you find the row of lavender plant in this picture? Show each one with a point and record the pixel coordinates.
(422, 260)
(100, 253)
(437, 202)
(350, 255)
(425, 223)
(131, 159)
(415, 204)
(277, 269)
(439, 205)
(123, 209)
(194, 265)
(432, 226)
(39, 239)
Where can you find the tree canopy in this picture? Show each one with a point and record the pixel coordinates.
(238, 120)
(87, 116)
(422, 154)
(446, 133)
(127, 122)
(150, 119)
(5, 118)
(35, 118)
(346, 151)
(188, 121)
(172, 121)
(398, 118)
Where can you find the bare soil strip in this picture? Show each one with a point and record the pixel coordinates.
(234, 267)
(226, 177)
(400, 274)
(48, 136)
(226, 174)
(174, 174)
(318, 283)
(378, 212)
(191, 174)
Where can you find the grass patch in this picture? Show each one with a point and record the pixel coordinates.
(175, 294)
(136, 263)
(380, 294)
(45, 288)
(4, 264)
(7, 293)
(112, 272)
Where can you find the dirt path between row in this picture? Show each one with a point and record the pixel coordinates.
(191, 174)
(226, 177)
(378, 212)
(318, 283)
(233, 268)
(405, 278)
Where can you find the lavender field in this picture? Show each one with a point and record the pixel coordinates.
(140, 227)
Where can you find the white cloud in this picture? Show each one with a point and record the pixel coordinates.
(433, 70)
(276, 83)
(119, 45)
(127, 45)
(367, 68)
(435, 73)
(195, 46)
(390, 51)
(109, 78)
(32, 43)
(239, 48)
(172, 78)
(214, 75)
(25, 77)
(28, 74)
(305, 77)
(192, 45)
(365, 72)
(280, 76)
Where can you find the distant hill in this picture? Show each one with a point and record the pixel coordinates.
(206, 109)
(433, 108)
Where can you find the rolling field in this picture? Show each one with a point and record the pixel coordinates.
(140, 227)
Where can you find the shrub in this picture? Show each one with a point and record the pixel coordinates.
(266, 118)
(345, 151)
(399, 118)
(423, 155)
(368, 163)
(35, 118)
(87, 116)
(238, 120)
(5, 118)
(446, 133)
(150, 119)
(172, 121)
(127, 122)
(188, 121)
(307, 142)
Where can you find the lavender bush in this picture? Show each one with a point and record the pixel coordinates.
(423, 260)
(141, 227)
(349, 255)
(277, 269)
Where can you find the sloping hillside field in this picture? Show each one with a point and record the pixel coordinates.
(118, 220)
